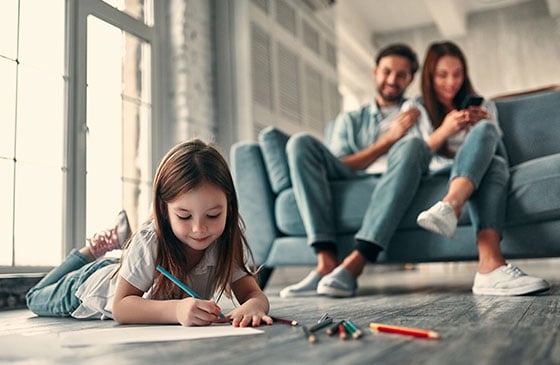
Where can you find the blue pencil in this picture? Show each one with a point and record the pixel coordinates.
(180, 284)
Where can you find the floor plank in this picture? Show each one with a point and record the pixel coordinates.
(474, 329)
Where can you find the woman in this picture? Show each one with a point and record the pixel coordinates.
(467, 140)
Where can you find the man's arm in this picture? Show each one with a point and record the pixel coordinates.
(399, 128)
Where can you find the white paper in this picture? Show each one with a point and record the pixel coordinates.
(150, 333)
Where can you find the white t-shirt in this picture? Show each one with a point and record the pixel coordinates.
(139, 268)
(389, 114)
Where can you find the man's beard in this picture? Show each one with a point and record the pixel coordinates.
(390, 98)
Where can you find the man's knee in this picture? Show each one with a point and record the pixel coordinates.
(299, 145)
(411, 149)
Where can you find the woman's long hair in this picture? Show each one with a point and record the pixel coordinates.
(436, 110)
(435, 52)
(186, 167)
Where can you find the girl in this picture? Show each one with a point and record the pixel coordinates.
(195, 234)
(468, 141)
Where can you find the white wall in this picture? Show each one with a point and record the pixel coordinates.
(508, 50)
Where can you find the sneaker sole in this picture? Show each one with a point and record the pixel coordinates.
(529, 289)
(337, 293)
(430, 225)
(303, 294)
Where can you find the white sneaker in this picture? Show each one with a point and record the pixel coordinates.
(507, 280)
(440, 219)
(305, 288)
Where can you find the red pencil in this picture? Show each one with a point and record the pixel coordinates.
(404, 330)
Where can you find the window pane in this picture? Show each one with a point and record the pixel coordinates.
(118, 118)
(41, 34)
(38, 215)
(6, 210)
(8, 35)
(139, 9)
(40, 117)
(7, 107)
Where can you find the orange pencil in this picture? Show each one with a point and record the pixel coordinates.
(404, 330)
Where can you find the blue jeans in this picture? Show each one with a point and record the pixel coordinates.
(54, 295)
(313, 167)
(477, 160)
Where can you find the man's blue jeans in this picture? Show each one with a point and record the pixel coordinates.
(54, 295)
(313, 167)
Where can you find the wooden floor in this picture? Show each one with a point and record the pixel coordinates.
(474, 329)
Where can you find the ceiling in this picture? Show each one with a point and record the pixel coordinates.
(358, 22)
(381, 16)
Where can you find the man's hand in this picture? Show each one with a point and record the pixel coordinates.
(401, 125)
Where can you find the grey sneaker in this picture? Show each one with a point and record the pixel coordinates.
(305, 288)
(339, 283)
(110, 239)
(507, 280)
(440, 219)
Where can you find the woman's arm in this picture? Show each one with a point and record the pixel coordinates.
(254, 304)
(129, 307)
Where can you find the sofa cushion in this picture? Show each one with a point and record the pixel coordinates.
(273, 144)
(534, 194)
(531, 125)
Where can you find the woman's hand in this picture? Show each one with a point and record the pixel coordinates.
(476, 114)
(248, 314)
(454, 122)
(197, 312)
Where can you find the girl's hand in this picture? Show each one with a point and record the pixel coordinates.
(248, 314)
(197, 312)
(476, 114)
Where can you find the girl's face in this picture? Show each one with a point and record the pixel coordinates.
(198, 217)
(448, 79)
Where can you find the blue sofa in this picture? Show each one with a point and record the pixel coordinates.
(531, 125)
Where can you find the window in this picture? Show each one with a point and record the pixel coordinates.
(76, 108)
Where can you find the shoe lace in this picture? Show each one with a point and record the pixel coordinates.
(513, 270)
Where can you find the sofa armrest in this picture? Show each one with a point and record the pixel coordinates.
(256, 199)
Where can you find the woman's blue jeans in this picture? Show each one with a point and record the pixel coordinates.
(54, 295)
(477, 160)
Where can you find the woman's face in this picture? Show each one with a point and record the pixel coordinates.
(198, 217)
(448, 79)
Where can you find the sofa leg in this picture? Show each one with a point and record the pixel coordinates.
(263, 276)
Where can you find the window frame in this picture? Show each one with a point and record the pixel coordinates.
(77, 12)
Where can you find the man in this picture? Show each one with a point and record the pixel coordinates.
(369, 140)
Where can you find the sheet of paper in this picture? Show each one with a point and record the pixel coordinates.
(151, 333)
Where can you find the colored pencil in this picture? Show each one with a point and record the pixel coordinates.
(310, 337)
(181, 285)
(291, 322)
(334, 328)
(342, 331)
(416, 332)
(323, 317)
(356, 331)
(319, 325)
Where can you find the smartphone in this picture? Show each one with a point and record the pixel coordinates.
(471, 100)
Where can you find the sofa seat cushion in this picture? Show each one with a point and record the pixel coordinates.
(351, 199)
(534, 193)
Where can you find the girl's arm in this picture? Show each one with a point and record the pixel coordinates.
(130, 307)
(254, 304)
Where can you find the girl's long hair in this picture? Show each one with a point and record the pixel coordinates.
(183, 168)
(436, 110)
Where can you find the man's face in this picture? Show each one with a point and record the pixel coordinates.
(392, 76)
